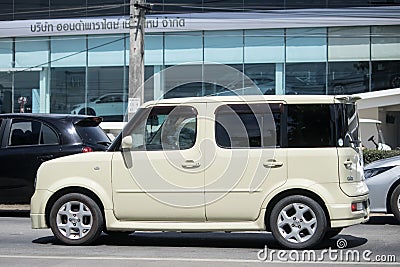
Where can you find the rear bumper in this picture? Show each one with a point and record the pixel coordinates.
(342, 216)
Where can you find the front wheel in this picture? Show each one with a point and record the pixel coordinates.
(76, 219)
(298, 222)
(395, 203)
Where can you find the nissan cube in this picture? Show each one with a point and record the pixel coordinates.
(290, 165)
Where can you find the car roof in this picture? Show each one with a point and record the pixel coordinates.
(393, 161)
(43, 116)
(294, 99)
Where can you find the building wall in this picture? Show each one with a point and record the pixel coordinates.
(75, 69)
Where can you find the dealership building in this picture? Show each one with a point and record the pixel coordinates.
(55, 55)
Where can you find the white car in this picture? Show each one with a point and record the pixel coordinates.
(290, 165)
(383, 180)
(108, 105)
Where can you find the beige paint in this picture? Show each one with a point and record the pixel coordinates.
(323, 171)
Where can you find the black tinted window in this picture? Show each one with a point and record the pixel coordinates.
(24, 132)
(243, 126)
(311, 125)
(91, 134)
(48, 136)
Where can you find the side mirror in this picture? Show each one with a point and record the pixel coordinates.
(127, 142)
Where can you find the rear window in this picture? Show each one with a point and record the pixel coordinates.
(92, 134)
(311, 125)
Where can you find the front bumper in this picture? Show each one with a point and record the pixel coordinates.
(38, 209)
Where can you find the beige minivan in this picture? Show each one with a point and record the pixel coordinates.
(291, 165)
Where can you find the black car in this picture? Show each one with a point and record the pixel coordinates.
(27, 140)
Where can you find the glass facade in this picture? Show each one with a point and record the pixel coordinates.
(65, 74)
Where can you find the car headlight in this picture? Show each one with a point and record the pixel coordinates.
(374, 172)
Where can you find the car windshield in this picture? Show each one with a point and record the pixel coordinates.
(92, 135)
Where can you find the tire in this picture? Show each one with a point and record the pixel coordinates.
(298, 222)
(332, 233)
(75, 219)
(339, 89)
(395, 82)
(87, 111)
(395, 203)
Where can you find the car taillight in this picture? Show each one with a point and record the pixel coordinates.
(87, 149)
(357, 206)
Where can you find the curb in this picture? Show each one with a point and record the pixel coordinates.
(6, 207)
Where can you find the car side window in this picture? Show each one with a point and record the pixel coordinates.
(24, 132)
(48, 136)
(27, 133)
(166, 128)
(311, 125)
(248, 126)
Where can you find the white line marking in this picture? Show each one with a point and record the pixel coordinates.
(189, 260)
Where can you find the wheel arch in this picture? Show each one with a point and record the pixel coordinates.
(87, 111)
(72, 189)
(291, 192)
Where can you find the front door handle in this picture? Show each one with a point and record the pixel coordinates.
(272, 163)
(190, 164)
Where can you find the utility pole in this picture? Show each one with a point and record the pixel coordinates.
(137, 22)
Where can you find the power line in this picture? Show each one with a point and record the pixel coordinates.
(201, 8)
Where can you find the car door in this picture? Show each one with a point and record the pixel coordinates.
(245, 162)
(161, 177)
(106, 105)
(26, 144)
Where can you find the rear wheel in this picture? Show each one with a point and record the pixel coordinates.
(339, 89)
(298, 222)
(75, 219)
(395, 82)
(87, 111)
(395, 203)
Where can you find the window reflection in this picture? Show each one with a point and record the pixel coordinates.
(305, 78)
(263, 75)
(348, 77)
(385, 75)
(67, 89)
(26, 92)
(5, 92)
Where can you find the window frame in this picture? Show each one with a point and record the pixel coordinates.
(7, 135)
(144, 116)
